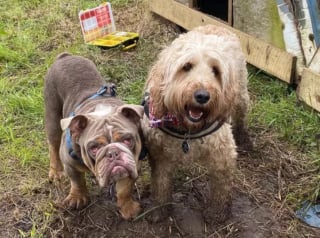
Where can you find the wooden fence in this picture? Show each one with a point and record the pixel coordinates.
(259, 53)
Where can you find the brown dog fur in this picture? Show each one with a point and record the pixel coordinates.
(105, 133)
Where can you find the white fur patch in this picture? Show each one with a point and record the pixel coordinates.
(102, 110)
(65, 122)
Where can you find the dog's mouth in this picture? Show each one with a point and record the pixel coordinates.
(115, 162)
(195, 114)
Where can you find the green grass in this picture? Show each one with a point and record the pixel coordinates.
(276, 108)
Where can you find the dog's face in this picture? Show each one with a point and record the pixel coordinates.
(194, 79)
(108, 141)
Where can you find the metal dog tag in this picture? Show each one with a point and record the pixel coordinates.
(185, 146)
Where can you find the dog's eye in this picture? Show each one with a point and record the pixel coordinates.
(93, 148)
(215, 70)
(128, 141)
(187, 67)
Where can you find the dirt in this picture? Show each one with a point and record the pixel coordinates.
(260, 206)
(267, 179)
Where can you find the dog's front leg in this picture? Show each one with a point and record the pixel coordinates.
(220, 190)
(78, 195)
(161, 173)
(128, 207)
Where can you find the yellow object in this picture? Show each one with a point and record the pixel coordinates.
(98, 28)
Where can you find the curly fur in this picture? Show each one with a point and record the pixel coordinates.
(210, 59)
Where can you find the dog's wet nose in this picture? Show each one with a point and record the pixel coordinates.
(202, 96)
(113, 154)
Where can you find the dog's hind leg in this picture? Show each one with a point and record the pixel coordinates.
(239, 124)
(54, 132)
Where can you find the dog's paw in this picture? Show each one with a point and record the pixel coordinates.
(76, 201)
(130, 210)
(55, 174)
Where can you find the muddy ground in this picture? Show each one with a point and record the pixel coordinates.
(260, 207)
(262, 197)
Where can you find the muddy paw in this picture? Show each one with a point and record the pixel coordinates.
(76, 201)
(130, 210)
(55, 174)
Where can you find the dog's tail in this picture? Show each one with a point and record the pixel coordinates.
(62, 55)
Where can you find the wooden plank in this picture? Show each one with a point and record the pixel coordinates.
(309, 88)
(315, 62)
(191, 3)
(259, 53)
(230, 12)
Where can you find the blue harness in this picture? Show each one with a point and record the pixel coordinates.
(105, 91)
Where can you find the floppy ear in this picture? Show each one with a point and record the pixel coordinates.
(76, 124)
(133, 112)
(65, 122)
(154, 82)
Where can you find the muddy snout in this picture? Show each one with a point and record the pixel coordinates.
(114, 162)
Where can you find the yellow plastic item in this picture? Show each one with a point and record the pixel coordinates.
(98, 28)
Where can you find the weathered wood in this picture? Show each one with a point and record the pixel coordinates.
(309, 88)
(315, 62)
(259, 53)
(230, 12)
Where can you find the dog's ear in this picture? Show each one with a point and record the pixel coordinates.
(76, 124)
(155, 82)
(133, 112)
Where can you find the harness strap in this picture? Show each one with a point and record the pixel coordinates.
(105, 91)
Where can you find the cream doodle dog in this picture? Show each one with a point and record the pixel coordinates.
(195, 91)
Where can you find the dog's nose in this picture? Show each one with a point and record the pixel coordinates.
(113, 154)
(202, 96)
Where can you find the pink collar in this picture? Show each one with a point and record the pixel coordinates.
(156, 123)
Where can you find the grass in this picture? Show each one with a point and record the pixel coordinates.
(33, 32)
(277, 109)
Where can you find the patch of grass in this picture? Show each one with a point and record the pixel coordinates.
(276, 108)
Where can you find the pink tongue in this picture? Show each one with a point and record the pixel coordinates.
(196, 114)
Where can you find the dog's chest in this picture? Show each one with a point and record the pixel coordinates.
(166, 146)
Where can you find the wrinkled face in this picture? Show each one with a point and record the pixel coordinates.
(197, 80)
(108, 145)
(113, 149)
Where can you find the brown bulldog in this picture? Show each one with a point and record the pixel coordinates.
(89, 129)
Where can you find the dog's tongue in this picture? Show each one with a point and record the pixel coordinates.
(195, 113)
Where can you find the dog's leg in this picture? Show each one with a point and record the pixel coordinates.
(54, 132)
(128, 207)
(56, 167)
(221, 171)
(239, 125)
(161, 173)
(78, 195)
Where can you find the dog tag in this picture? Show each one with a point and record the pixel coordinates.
(185, 146)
